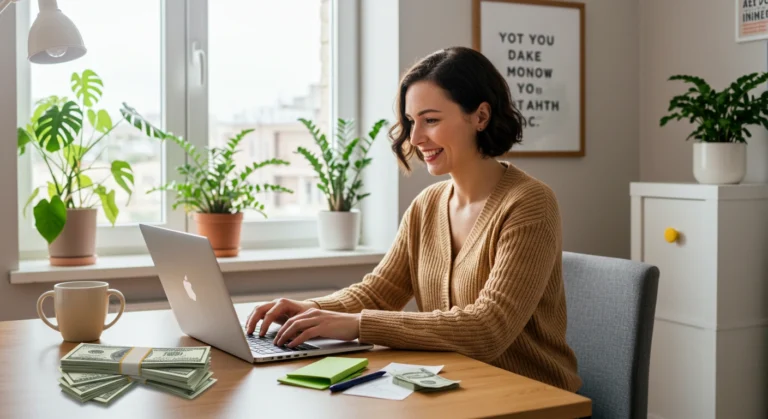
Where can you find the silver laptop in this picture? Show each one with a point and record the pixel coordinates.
(194, 285)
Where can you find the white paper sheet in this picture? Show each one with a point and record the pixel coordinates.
(384, 388)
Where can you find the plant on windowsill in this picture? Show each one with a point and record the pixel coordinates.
(213, 191)
(719, 153)
(343, 160)
(66, 215)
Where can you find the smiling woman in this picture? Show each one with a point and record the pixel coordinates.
(462, 84)
(481, 252)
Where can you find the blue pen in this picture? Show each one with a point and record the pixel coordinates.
(359, 380)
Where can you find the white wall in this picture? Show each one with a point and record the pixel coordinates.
(693, 37)
(9, 250)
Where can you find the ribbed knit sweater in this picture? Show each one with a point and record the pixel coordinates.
(499, 300)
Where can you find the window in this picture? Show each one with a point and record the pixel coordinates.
(205, 70)
(267, 86)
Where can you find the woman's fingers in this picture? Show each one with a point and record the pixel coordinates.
(304, 336)
(293, 327)
(273, 314)
(285, 331)
(256, 315)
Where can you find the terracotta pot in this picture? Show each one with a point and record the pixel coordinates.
(222, 230)
(76, 245)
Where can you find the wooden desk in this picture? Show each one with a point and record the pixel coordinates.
(30, 354)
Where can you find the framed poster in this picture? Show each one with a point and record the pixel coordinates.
(751, 20)
(538, 46)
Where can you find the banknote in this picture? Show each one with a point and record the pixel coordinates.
(112, 395)
(423, 380)
(88, 391)
(80, 378)
(205, 385)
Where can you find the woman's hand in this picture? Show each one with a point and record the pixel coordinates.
(318, 323)
(277, 311)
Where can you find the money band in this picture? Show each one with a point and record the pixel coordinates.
(131, 362)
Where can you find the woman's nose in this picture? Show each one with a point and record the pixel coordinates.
(416, 136)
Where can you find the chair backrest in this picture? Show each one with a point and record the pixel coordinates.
(611, 306)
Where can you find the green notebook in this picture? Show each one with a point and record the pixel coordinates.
(328, 371)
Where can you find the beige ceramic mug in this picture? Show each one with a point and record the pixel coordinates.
(81, 309)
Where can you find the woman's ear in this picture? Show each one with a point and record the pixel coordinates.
(482, 116)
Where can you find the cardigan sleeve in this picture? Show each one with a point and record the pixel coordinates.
(525, 257)
(388, 287)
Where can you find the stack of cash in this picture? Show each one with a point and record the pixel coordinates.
(423, 380)
(95, 372)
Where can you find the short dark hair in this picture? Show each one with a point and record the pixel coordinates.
(469, 79)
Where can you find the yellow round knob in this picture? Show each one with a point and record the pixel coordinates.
(670, 235)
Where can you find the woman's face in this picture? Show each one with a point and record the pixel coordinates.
(442, 132)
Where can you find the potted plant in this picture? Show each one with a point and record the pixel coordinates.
(213, 191)
(719, 153)
(339, 175)
(66, 215)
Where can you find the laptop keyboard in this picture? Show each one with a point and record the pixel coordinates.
(265, 346)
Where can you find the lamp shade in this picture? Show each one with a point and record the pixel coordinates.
(53, 38)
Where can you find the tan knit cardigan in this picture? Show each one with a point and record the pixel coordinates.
(499, 300)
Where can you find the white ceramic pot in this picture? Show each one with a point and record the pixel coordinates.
(338, 230)
(719, 163)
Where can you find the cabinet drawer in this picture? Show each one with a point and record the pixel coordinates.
(681, 380)
(688, 267)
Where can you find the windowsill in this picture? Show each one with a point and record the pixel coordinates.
(141, 266)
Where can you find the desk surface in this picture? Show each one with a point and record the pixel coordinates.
(30, 354)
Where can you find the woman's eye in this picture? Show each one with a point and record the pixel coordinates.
(431, 120)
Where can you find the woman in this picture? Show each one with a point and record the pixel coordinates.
(481, 252)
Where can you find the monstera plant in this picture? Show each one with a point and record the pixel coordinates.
(65, 209)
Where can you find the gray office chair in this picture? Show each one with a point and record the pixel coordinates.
(611, 307)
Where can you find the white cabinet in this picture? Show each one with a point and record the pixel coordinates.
(709, 357)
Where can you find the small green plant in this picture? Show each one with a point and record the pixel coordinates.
(345, 155)
(211, 183)
(720, 116)
(55, 132)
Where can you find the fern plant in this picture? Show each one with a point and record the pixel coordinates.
(211, 182)
(56, 133)
(342, 162)
(720, 116)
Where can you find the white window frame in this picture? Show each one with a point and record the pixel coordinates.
(186, 22)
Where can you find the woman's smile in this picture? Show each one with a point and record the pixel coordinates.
(431, 155)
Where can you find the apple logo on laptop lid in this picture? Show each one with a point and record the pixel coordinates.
(188, 288)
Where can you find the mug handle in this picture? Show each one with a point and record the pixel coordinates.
(40, 309)
(120, 296)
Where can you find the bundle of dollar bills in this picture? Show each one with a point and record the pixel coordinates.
(423, 380)
(96, 372)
